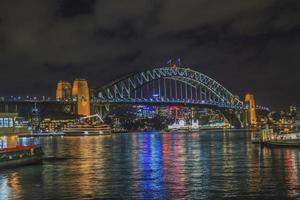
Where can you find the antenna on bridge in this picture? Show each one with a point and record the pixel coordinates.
(169, 63)
(176, 63)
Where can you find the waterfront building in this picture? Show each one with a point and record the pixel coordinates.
(10, 123)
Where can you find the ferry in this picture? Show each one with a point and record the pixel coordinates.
(20, 155)
(84, 128)
(285, 138)
(87, 130)
(41, 134)
(180, 126)
(255, 137)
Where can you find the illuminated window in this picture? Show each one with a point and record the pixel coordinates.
(5, 122)
(10, 123)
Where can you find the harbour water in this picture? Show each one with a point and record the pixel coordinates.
(205, 165)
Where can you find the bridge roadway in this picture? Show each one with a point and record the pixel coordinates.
(154, 101)
(166, 102)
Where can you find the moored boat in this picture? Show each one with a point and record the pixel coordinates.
(282, 143)
(281, 139)
(87, 130)
(256, 137)
(20, 155)
(182, 127)
(87, 127)
(41, 135)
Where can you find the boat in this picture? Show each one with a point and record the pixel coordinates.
(87, 130)
(41, 134)
(87, 127)
(283, 143)
(179, 126)
(182, 126)
(20, 155)
(256, 137)
(285, 138)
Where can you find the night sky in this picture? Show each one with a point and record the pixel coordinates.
(246, 45)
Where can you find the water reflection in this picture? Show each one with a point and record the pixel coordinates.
(206, 165)
(5, 191)
(14, 184)
(17, 183)
(150, 167)
(291, 172)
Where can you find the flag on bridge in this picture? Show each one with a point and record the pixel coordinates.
(169, 62)
(178, 62)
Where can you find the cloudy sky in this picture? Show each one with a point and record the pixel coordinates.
(247, 45)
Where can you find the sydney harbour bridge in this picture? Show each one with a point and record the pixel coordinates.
(157, 86)
(168, 85)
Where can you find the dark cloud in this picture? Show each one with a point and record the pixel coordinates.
(246, 45)
(71, 8)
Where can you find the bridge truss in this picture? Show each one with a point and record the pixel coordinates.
(168, 85)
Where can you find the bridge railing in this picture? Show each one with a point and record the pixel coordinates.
(170, 101)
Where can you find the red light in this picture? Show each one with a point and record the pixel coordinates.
(174, 108)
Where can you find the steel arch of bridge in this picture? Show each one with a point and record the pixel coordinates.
(120, 91)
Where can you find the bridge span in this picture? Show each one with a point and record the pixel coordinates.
(169, 85)
(157, 86)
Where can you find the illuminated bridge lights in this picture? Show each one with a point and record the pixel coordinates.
(169, 85)
(165, 85)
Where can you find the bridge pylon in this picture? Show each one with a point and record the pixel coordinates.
(81, 94)
(249, 99)
(63, 90)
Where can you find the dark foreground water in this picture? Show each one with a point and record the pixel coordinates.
(206, 165)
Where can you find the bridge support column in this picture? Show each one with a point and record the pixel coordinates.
(233, 117)
(101, 109)
(81, 93)
(249, 99)
(244, 118)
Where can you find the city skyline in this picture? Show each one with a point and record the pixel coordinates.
(246, 46)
